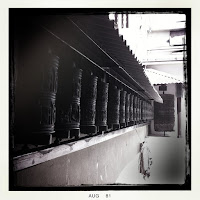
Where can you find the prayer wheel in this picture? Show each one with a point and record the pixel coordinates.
(43, 114)
(36, 88)
(101, 105)
(144, 110)
(131, 109)
(142, 114)
(113, 107)
(140, 109)
(148, 111)
(127, 109)
(88, 104)
(135, 109)
(68, 105)
(122, 108)
(151, 112)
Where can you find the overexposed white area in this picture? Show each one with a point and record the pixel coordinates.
(159, 77)
(148, 35)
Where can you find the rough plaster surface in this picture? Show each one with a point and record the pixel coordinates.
(98, 164)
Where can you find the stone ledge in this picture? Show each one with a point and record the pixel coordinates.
(35, 158)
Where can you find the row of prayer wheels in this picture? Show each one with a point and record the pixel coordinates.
(98, 106)
(82, 103)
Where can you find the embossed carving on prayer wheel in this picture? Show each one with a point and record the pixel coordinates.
(36, 89)
(151, 112)
(68, 111)
(140, 116)
(137, 109)
(127, 109)
(101, 105)
(144, 110)
(113, 107)
(88, 104)
(131, 109)
(45, 110)
(122, 107)
(147, 111)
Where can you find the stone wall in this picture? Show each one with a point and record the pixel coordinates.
(97, 164)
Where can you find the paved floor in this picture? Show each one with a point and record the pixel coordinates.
(168, 154)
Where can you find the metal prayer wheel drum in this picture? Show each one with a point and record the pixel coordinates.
(144, 110)
(131, 109)
(101, 105)
(74, 117)
(44, 112)
(122, 108)
(113, 107)
(68, 103)
(88, 104)
(140, 110)
(127, 109)
(136, 109)
(36, 89)
(151, 112)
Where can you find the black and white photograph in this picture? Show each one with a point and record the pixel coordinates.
(99, 99)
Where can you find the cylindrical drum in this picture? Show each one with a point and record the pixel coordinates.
(137, 106)
(144, 110)
(147, 111)
(101, 105)
(68, 105)
(88, 104)
(46, 103)
(127, 108)
(142, 114)
(36, 89)
(140, 106)
(139, 109)
(122, 106)
(44, 112)
(113, 105)
(135, 109)
(131, 108)
(151, 112)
